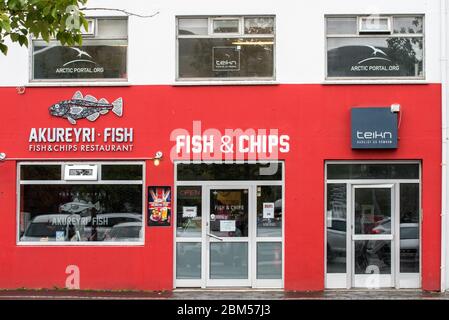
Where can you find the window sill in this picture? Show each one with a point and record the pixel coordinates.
(374, 81)
(79, 84)
(182, 83)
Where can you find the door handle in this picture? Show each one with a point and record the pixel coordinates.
(215, 237)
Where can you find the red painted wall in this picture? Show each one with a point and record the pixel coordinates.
(317, 119)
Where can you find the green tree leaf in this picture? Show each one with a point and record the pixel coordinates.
(49, 19)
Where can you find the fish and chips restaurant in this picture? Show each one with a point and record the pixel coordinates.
(148, 201)
(293, 186)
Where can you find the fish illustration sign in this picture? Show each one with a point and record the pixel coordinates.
(88, 107)
(84, 139)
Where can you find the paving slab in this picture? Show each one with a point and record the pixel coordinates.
(223, 295)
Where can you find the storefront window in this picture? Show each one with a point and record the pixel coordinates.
(370, 47)
(409, 228)
(188, 223)
(269, 211)
(81, 211)
(103, 54)
(226, 48)
(336, 228)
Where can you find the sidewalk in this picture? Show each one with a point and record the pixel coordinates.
(223, 295)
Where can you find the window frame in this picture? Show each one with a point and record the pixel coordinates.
(19, 183)
(395, 79)
(211, 35)
(88, 37)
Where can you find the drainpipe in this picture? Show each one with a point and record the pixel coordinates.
(444, 155)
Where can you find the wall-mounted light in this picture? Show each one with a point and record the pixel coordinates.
(157, 158)
(2, 156)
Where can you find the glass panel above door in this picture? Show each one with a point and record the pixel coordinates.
(372, 211)
(229, 212)
(229, 171)
(373, 171)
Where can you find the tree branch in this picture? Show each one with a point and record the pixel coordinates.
(123, 11)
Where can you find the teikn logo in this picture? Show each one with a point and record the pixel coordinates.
(373, 128)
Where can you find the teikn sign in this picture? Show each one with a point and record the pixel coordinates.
(374, 128)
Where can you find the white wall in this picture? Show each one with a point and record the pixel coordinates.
(300, 40)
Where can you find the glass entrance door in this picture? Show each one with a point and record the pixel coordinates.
(228, 235)
(372, 231)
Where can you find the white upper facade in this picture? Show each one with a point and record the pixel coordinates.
(300, 39)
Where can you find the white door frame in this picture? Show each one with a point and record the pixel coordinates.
(207, 185)
(369, 280)
(207, 238)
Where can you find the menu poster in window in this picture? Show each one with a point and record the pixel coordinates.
(268, 210)
(189, 212)
(227, 225)
(159, 206)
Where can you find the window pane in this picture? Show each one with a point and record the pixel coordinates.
(373, 171)
(229, 260)
(188, 260)
(226, 172)
(408, 24)
(225, 58)
(192, 26)
(189, 211)
(375, 254)
(336, 228)
(343, 25)
(409, 227)
(375, 57)
(269, 260)
(112, 28)
(226, 26)
(269, 211)
(372, 212)
(40, 172)
(101, 59)
(259, 25)
(229, 213)
(81, 213)
(374, 24)
(121, 172)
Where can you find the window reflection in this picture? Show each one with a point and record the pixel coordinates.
(409, 228)
(269, 211)
(81, 213)
(229, 213)
(372, 211)
(336, 228)
(188, 223)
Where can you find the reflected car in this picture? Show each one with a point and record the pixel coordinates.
(409, 242)
(129, 231)
(106, 221)
(336, 237)
(45, 227)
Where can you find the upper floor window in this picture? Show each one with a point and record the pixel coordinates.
(231, 48)
(375, 47)
(102, 56)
